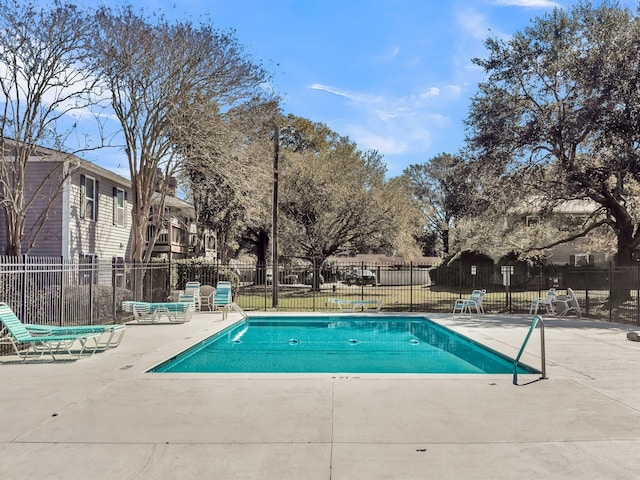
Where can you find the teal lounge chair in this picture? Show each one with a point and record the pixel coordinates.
(110, 335)
(176, 312)
(190, 297)
(222, 299)
(145, 312)
(193, 288)
(15, 333)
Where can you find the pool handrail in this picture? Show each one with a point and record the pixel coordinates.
(537, 319)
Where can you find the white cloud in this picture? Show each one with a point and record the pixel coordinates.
(385, 115)
(369, 139)
(397, 125)
(454, 89)
(431, 92)
(473, 23)
(389, 55)
(356, 97)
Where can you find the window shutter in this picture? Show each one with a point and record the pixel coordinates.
(96, 200)
(125, 207)
(572, 260)
(592, 260)
(114, 197)
(83, 196)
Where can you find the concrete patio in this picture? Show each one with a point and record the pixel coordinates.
(103, 417)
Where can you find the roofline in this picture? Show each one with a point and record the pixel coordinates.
(45, 154)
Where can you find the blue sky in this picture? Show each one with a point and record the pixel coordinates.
(393, 75)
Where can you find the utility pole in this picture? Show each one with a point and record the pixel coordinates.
(274, 224)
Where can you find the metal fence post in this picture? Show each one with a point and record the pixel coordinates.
(113, 289)
(637, 291)
(91, 289)
(610, 290)
(23, 310)
(411, 286)
(63, 280)
(266, 290)
(362, 283)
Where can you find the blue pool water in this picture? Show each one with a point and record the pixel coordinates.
(339, 344)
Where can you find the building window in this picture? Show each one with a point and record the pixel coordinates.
(581, 260)
(119, 202)
(176, 235)
(163, 236)
(88, 269)
(88, 198)
(118, 268)
(532, 220)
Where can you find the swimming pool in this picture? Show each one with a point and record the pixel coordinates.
(339, 344)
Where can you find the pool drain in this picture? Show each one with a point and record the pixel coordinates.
(293, 341)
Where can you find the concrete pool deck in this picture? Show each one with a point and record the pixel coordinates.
(103, 417)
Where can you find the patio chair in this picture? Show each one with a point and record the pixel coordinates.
(193, 288)
(149, 313)
(352, 305)
(223, 298)
(545, 303)
(176, 312)
(189, 297)
(207, 293)
(567, 303)
(142, 312)
(462, 305)
(15, 333)
(110, 335)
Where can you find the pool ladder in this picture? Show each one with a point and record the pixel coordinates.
(537, 319)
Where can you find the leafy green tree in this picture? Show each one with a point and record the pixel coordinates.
(557, 118)
(442, 189)
(335, 199)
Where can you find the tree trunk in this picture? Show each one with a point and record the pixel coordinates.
(262, 251)
(14, 230)
(317, 267)
(621, 280)
(445, 241)
(138, 244)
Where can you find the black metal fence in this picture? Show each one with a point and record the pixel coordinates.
(56, 292)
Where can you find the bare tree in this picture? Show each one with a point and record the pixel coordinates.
(45, 82)
(159, 73)
(227, 164)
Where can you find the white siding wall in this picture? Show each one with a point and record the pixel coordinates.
(561, 255)
(49, 240)
(101, 238)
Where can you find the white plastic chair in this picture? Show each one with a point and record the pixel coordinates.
(567, 303)
(207, 292)
(463, 305)
(545, 303)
